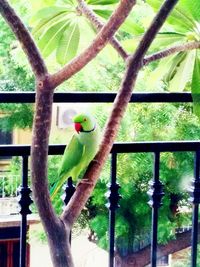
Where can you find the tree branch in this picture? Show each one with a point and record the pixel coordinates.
(99, 25)
(142, 257)
(90, 178)
(23, 35)
(170, 51)
(44, 96)
(102, 38)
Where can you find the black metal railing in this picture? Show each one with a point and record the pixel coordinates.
(156, 191)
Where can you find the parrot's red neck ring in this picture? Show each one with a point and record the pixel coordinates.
(83, 131)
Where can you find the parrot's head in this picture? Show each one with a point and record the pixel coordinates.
(84, 122)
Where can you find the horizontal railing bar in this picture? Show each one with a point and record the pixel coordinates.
(90, 97)
(133, 147)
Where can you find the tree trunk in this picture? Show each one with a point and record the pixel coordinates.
(59, 245)
(57, 232)
(141, 258)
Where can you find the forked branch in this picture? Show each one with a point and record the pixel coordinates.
(102, 38)
(93, 18)
(96, 22)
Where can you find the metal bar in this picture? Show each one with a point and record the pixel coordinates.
(112, 211)
(154, 230)
(133, 147)
(90, 97)
(194, 235)
(23, 229)
(156, 193)
(195, 200)
(155, 214)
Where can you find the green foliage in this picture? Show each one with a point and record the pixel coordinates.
(102, 2)
(62, 29)
(134, 171)
(6, 36)
(57, 28)
(195, 87)
(16, 115)
(177, 70)
(68, 44)
(11, 179)
(14, 77)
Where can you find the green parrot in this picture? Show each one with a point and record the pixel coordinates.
(81, 149)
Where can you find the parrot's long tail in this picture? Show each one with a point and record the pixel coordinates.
(55, 187)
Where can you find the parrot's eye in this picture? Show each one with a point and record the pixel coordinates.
(85, 119)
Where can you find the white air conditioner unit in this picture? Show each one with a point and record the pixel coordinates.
(64, 116)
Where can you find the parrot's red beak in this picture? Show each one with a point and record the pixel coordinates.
(78, 127)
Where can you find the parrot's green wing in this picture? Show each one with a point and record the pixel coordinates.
(71, 158)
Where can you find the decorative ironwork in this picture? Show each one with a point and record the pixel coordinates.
(25, 200)
(156, 194)
(195, 192)
(113, 197)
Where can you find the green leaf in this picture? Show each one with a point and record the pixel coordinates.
(50, 39)
(68, 45)
(103, 13)
(195, 87)
(89, 32)
(128, 26)
(102, 2)
(192, 8)
(131, 44)
(45, 24)
(184, 72)
(176, 61)
(178, 18)
(164, 39)
(47, 13)
(161, 70)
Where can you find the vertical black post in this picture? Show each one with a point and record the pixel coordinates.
(69, 189)
(156, 193)
(113, 204)
(195, 199)
(24, 202)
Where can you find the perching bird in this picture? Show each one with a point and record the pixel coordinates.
(79, 152)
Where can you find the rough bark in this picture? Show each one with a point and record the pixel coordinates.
(134, 64)
(171, 50)
(57, 232)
